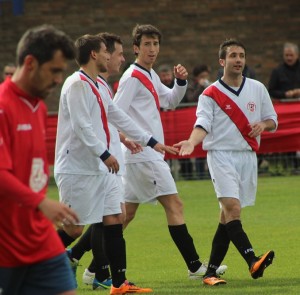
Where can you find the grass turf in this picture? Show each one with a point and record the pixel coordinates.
(273, 223)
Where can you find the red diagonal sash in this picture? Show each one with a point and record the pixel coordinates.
(233, 112)
(148, 84)
(105, 85)
(103, 113)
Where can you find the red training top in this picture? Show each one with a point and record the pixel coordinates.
(26, 235)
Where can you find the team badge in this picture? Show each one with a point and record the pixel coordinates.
(251, 106)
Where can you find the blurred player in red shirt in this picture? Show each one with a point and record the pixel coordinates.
(33, 260)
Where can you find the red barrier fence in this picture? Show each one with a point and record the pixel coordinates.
(178, 125)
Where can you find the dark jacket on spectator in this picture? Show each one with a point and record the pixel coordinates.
(284, 78)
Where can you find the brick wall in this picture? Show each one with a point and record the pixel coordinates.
(192, 29)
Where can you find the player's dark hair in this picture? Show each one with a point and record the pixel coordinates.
(85, 45)
(147, 30)
(42, 42)
(227, 43)
(111, 39)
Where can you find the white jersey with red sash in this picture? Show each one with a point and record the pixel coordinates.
(225, 113)
(115, 144)
(80, 129)
(137, 95)
(101, 105)
(81, 137)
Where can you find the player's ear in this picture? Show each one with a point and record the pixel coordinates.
(222, 62)
(136, 49)
(30, 62)
(93, 54)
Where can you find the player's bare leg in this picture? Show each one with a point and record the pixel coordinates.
(130, 209)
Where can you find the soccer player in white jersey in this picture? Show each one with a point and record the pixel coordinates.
(231, 115)
(148, 178)
(97, 273)
(83, 159)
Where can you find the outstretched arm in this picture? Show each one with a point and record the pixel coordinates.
(187, 146)
(134, 147)
(161, 148)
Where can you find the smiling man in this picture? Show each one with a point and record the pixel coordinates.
(231, 115)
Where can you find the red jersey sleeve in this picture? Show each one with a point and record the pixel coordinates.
(5, 158)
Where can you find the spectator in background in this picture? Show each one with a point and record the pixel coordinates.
(285, 84)
(285, 79)
(201, 77)
(247, 72)
(8, 70)
(165, 73)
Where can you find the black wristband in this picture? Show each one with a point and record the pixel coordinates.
(181, 82)
(105, 155)
(152, 142)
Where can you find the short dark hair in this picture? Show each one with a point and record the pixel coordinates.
(200, 69)
(227, 43)
(148, 30)
(42, 42)
(110, 40)
(85, 45)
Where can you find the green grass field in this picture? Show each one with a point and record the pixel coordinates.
(273, 223)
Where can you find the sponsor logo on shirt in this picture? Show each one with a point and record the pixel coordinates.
(24, 127)
(228, 107)
(251, 106)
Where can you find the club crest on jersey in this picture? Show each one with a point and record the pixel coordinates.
(24, 127)
(251, 106)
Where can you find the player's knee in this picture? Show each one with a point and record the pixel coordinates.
(176, 206)
(174, 212)
(233, 213)
(129, 216)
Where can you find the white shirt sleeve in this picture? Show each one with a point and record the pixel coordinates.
(80, 115)
(268, 111)
(204, 112)
(126, 125)
(170, 98)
